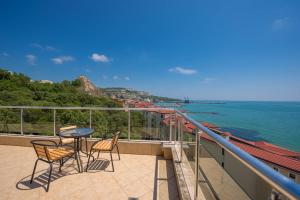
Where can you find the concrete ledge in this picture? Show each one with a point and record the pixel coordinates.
(125, 146)
(180, 180)
(167, 152)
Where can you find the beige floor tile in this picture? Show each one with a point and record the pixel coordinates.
(148, 196)
(134, 177)
(136, 189)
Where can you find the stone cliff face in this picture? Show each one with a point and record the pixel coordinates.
(89, 87)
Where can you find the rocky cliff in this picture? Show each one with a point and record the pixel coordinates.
(89, 87)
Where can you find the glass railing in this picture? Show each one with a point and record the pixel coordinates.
(148, 125)
(213, 168)
(223, 171)
(134, 124)
(10, 120)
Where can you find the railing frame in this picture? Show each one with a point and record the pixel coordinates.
(277, 181)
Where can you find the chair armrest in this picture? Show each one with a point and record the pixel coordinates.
(44, 142)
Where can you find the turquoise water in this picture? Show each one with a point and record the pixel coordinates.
(274, 122)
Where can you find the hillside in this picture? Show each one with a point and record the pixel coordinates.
(19, 89)
(125, 93)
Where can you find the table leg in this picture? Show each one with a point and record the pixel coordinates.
(86, 148)
(78, 152)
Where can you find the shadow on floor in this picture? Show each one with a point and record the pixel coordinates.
(41, 180)
(41, 177)
(99, 164)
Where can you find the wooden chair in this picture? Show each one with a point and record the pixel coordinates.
(105, 146)
(49, 152)
(70, 141)
(66, 141)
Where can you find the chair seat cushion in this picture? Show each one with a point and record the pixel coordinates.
(103, 145)
(59, 153)
(67, 140)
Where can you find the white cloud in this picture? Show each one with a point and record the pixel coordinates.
(4, 54)
(115, 77)
(99, 58)
(88, 71)
(208, 80)
(105, 77)
(281, 23)
(182, 70)
(31, 59)
(127, 78)
(43, 47)
(62, 59)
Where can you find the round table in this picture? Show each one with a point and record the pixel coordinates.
(77, 134)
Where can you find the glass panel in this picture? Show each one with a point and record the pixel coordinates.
(223, 176)
(189, 144)
(106, 123)
(80, 118)
(220, 174)
(147, 125)
(38, 122)
(10, 121)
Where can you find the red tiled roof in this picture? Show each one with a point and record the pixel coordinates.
(161, 111)
(232, 137)
(208, 125)
(255, 149)
(282, 161)
(139, 104)
(276, 149)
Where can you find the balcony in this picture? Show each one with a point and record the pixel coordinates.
(135, 177)
(160, 158)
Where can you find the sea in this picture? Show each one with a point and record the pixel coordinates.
(274, 122)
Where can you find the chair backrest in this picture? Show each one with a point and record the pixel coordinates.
(41, 148)
(66, 128)
(115, 138)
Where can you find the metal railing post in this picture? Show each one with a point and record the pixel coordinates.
(54, 122)
(171, 124)
(197, 164)
(181, 140)
(129, 129)
(90, 118)
(21, 121)
(90, 121)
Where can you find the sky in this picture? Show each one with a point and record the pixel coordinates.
(207, 50)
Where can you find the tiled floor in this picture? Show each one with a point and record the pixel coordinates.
(135, 177)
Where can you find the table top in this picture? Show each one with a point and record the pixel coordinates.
(77, 133)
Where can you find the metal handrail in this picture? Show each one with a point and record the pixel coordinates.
(280, 182)
(83, 108)
(276, 180)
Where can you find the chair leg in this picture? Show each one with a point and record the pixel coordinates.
(60, 164)
(112, 162)
(34, 168)
(87, 165)
(77, 160)
(49, 179)
(118, 151)
(98, 154)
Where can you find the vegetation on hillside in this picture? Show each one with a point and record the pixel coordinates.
(19, 90)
